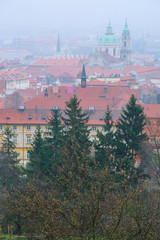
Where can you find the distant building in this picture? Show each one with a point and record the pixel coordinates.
(125, 53)
(58, 48)
(111, 44)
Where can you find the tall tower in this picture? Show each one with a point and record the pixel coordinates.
(58, 49)
(125, 52)
(83, 77)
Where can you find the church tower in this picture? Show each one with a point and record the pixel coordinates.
(58, 49)
(125, 53)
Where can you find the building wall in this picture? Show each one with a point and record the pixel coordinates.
(109, 47)
(17, 84)
(22, 132)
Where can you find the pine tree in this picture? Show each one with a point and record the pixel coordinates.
(55, 140)
(130, 135)
(105, 144)
(7, 141)
(9, 170)
(77, 136)
(38, 166)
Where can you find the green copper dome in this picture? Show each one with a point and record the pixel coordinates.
(107, 38)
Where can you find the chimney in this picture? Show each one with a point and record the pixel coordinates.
(46, 93)
(113, 101)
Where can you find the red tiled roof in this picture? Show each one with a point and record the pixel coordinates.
(152, 110)
(98, 96)
(57, 62)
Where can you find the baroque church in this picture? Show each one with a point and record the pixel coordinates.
(111, 44)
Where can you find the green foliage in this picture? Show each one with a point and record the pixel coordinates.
(77, 135)
(105, 145)
(7, 143)
(130, 128)
(9, 169)
(129, 137)
(55, 139)
(37, 165)
(81, 200)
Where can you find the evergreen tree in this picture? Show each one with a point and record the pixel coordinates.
(7, 141)
(77, 136)
(130, 135)
(105, 144)
(38, 166)
(55, 140)
(9, 170)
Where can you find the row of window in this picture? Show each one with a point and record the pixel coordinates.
(94, 128)
(28, 140)
(15, 127)
(15, 154)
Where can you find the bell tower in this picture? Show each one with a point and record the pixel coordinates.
(125, 53)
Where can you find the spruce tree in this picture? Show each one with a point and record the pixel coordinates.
(105, 144)
(7, 141)
(55, 140)
(77, 135)
(38, 166)
(9, 170)
(130, 135)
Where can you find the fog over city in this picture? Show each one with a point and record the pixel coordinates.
(26, 16)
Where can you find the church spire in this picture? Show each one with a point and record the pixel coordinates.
(126, 30)
(109, 29)
(58, 49)
(83, 77)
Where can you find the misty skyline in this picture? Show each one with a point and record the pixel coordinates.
(76, 16)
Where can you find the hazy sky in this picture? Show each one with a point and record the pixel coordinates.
(72, 15)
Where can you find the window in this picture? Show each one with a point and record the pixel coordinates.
(66, 128)
(93, 139)
(1, 127)
(152, 141)
(28, 127)
(28, 139)
(47, 127)
(103, 129)
(106, 50)
(94, 128)
(14, 139)
(114, 52)
(28, 155)
(15, 155)
(125, 44)
(14, 127)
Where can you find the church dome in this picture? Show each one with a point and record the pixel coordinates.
(109, 37)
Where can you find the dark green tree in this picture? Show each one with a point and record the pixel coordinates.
(55, 140)
(77, 135)
(130, 135)
(8, 145)
(9, 169)
(105, 144)
(38, 166)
